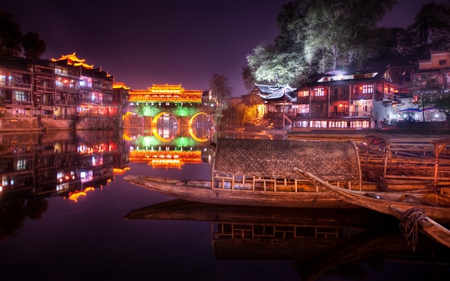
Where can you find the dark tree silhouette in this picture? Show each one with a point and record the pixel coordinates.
(10, 36)
(33, 46)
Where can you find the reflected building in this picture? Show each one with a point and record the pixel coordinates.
(60, 163)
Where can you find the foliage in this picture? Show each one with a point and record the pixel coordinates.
(10, 36)
(13, 43)
(322, 35)
(428, 93)
(220, 88)
(239, 114)
(431, 28)
(247, 76)
(33, 46)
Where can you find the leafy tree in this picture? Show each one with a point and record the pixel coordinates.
(427, 92)
(33, 46)
(317, 34)
(432, 27)
(247, 76)
(10, 36)
(220, 88)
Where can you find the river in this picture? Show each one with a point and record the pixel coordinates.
(63, 205)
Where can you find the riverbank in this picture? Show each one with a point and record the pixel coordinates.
(23, 123)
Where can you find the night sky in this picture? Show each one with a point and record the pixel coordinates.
(146, 42)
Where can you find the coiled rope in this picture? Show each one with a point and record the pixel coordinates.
(409, 224)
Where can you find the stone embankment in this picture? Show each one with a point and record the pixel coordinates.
(20, 123)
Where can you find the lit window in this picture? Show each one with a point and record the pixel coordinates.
(319, 92)
(367, 89)
(303, 94)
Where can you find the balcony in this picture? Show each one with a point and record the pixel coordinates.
(361, 96)
(319, 98)
(45, 89)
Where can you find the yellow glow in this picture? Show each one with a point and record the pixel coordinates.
(118, 85)
(121, 171)
(155, 132)
(74, 196)
(162, 93)
(191, 133)
(166, 163)
(166, 158)
(72, 59)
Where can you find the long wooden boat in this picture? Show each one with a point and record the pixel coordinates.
(250, 172)
(201, 191)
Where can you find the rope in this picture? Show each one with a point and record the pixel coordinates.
(409, 223)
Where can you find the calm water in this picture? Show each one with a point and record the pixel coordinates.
(75, 228)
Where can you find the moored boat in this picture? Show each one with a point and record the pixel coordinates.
(259, 173)
(201, 191)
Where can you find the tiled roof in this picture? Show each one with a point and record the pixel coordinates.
(270, 92)
(329, 160)
(13, 64)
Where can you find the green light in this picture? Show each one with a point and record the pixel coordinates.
(148, 141)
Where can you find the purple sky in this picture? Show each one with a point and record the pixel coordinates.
(163, 41)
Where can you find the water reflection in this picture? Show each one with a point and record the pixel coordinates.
(333, 243)
(47, 198)
(170, 146)
(62, 163)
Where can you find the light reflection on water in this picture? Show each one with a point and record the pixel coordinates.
(64, 202)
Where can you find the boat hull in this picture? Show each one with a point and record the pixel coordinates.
(436, 206)
(202, 192)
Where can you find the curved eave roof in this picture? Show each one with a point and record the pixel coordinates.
(270, 92)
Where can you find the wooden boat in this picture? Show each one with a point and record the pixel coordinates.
(201, 191)
(436, 207)
(252, 172)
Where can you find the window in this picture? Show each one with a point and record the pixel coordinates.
(21, 96)
(319, 92)
(367, 89)
(364, 89)
(442, 62)
(303, 94)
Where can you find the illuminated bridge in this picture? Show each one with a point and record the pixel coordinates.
(168, 105)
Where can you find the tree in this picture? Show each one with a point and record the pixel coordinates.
(220, 88)
(427, 92)
(10, 36)
(317, 34)
(432, 28)
(247, 77)
(33, 46)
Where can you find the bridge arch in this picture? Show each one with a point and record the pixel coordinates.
(157, 116)
(197, 114)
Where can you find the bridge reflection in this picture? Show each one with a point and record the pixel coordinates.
(170, 146)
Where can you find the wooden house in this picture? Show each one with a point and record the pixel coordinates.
(340, 100)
